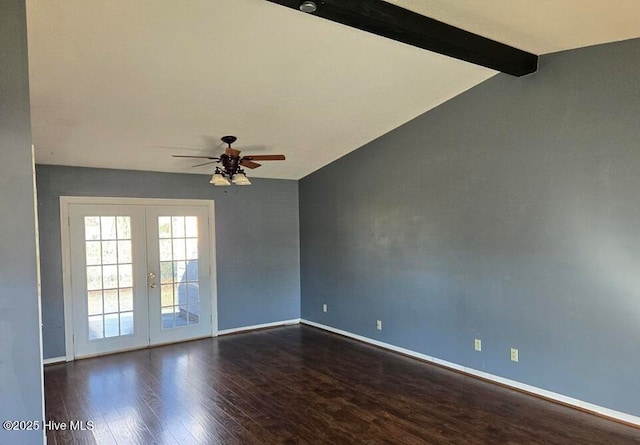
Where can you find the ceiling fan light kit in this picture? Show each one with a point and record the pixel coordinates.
(218, 179)
(231, 171)
(240, 179)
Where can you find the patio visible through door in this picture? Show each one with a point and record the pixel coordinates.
(140, 275)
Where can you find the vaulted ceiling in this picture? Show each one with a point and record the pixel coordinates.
(126, 84)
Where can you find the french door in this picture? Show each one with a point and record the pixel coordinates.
(140, 275)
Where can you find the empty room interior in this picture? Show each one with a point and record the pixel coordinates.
(336, 222)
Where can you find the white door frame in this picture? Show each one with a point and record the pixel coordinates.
(66, 201)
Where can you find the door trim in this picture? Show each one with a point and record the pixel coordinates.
(66, 201)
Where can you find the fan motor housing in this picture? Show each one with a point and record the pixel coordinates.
(230, 163)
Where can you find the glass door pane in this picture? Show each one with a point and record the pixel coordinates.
(179, 292)
(108, 278)
(181, 306)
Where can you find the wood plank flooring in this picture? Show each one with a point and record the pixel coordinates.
(299, 385)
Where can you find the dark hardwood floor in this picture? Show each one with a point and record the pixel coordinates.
(300, 385)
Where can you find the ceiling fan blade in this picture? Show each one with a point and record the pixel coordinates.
(232, 152)
(205, 163)
(264, 157)
(249, 164)
(196, 157)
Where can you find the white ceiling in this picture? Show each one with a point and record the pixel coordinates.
(113, 83)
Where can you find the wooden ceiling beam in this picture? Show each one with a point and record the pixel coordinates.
(391, 21)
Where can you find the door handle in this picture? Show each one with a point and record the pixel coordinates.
(152, 280)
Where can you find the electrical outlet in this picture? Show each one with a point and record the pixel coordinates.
(477, 344)
(514, 355)
(379, 325)
(324, 307)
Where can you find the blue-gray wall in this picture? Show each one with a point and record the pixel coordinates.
(511, 214)
(257, 240)
(21, 389)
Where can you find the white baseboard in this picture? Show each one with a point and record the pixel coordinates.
(51, 361)
(584, 406)
(259, 326)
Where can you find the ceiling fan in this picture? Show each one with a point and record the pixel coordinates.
(232, 164)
